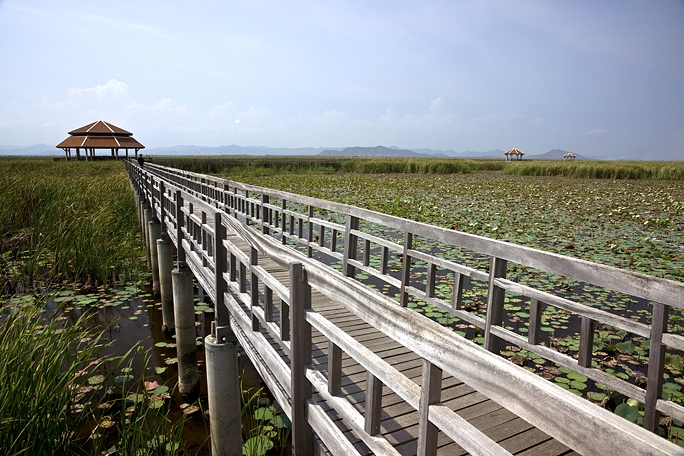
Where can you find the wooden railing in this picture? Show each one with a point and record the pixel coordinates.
(314, 238)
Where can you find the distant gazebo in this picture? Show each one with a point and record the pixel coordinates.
(99, 135)
(514, 152)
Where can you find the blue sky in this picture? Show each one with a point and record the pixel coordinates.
(604, 79)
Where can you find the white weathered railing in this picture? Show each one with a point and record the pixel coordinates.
(305, 235)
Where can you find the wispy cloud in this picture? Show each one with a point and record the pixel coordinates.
(597, 131)
(120, 24)
(112, 87)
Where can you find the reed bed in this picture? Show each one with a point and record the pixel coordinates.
(66, 221)
(265, 166)
(599, 169)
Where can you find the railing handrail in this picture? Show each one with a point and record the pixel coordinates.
(637, 284)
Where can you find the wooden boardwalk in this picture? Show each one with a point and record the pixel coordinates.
(399, 424)
(360, 373)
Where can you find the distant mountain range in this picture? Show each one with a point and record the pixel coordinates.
(377, 151)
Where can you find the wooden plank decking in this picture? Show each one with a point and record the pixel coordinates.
(399, 422)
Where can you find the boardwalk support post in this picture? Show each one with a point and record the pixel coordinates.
(154, 229)
(165, 259)
(223, 391)
(147, 218)
(184, 317)
(300, 300)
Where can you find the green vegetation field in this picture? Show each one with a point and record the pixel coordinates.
(72, 221)
(251, 165)
(635, 224)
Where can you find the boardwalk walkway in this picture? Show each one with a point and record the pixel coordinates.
(358, 371)
(399, 423)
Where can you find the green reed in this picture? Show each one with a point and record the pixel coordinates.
(43, 366)
(599, 169)
(66, 221)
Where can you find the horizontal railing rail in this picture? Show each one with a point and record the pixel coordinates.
(318, 242)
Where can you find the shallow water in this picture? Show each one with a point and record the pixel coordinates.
(133, 319)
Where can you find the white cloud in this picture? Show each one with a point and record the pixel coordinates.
(220, 110)
(436, 105)
(112, 87)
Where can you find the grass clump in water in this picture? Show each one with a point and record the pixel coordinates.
(43, 368)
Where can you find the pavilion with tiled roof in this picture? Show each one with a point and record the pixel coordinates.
(514, 152)
(99, 135)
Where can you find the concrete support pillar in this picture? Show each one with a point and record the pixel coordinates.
(165, 259)
(223, 388)
(184, 318)
(141, 211)
(147, 218)
(154, 228)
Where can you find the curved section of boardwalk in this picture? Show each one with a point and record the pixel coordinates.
(358, 372)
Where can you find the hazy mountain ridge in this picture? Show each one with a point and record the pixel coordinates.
(358, 151)
(377, 151)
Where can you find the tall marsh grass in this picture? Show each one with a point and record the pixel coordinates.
(66, 220)
(42, 367)
(599, 169)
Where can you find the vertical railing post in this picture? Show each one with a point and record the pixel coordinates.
(254, 286)
(300, 357)
(656, 361)
(223, 384)
(334, 369)
(373, 411)
(180, 221)
(534, 334)
(203, 238)
(495, 304)
(406, 269)
(430, 394)
(586, 346)
(309, 231)
(221, 267)
(265, 214)
(162, 206)
(284, 221)
(350, 245)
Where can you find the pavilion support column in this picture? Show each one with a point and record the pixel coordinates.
(78, 154)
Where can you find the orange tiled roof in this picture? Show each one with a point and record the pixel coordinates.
(100, 128)
(100, 135)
